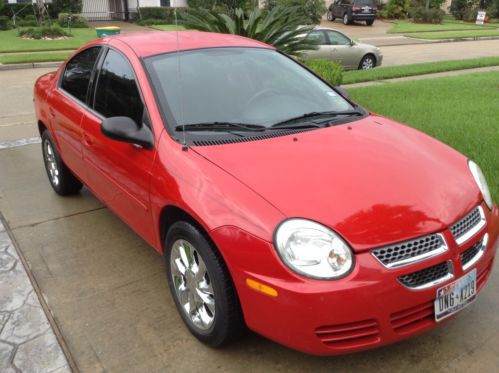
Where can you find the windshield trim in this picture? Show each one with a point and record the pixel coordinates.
(168, 117)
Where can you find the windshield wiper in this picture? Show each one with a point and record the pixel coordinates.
(327, 114)
(219, 126)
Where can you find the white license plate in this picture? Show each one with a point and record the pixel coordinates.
(455, 296)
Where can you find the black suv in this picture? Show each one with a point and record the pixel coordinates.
(353, 10)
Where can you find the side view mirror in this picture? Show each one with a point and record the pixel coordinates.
(126, 130)
(352, 42)
(343, 92)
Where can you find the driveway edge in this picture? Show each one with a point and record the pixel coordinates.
(4, 227)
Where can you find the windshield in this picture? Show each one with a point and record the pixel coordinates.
(237, 85)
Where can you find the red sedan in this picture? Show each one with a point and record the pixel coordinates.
(279, 204)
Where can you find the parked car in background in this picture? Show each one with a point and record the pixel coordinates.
(353, 10)
(334, 45)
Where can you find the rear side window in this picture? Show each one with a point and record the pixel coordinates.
(117, 94)
(78, 72)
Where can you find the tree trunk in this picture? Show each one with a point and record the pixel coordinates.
(40, 11)
(427, 5)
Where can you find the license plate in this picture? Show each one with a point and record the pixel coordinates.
(455, 296)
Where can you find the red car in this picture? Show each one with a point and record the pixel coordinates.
(279, 204)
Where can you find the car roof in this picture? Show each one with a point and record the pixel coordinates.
(156, 42)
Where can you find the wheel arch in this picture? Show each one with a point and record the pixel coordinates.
(41, 127)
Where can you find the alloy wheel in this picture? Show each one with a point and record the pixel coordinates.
(51, 163)
(192, 283)
(367, 63)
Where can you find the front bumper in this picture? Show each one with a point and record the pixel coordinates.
(367, 309)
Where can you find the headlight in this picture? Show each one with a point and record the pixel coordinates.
(481, 182)
(312, 249)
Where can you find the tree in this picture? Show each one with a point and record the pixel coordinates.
(312, 9)
(279, 27)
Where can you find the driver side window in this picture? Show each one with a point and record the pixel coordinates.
(117, 94)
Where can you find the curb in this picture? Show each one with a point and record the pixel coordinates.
(31, 65)
(454, 40)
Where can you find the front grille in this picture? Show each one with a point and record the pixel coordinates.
(468, 226)
(471, 255)
(411, 251)
(427, 277)
(413, 319)
(351, 335)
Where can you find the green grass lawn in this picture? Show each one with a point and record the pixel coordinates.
(167, 27)
(389, 72)
(34, 57)
(10, 42)
(454, 34)
(460, 111)
(402, 26)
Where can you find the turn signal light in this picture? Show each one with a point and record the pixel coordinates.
(258, 286)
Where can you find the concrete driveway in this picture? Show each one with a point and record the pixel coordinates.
(108, 293)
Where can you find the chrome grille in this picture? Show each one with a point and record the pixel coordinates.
(468, 226)
(427, 277)
(475, 252)
(411, 251)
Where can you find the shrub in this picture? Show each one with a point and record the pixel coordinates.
(11, 9)
(279, 27)
(465, 9)
(43, 32)
(27, 21)
(5, 23)
(157, 13)
(313, 10)
(64, 6)
(330, 71)
(432, 15)
(151, 21)
(76, 21)
(395, 9)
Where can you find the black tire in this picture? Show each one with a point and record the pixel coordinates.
(60, 176)
(370, 22)
(346, 19)
(330, 17)
(228, 324)
(367, 62)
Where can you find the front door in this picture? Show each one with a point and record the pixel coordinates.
(118, 172)
(341, 49)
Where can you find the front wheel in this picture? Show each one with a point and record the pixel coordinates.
(368, 62)
(201, 286)
(60, 176)
(330, 16)
(346, 19)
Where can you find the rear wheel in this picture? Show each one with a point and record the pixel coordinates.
(62, 180)
(346, 19)
(370, 22)
(330, 16)
(201, 286)
(368, 62)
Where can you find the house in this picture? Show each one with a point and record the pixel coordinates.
(95, 10)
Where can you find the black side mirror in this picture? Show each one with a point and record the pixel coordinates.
(343, 92)
(126, 130)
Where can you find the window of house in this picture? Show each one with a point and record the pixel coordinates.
(117, 94)
(78, 71)
(165, 3)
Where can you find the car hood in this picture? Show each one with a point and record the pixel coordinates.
(374, 181)
(368, 47)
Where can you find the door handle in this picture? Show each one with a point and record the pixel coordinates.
(86, 140)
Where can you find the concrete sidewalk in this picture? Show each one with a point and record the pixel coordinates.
(27, 341)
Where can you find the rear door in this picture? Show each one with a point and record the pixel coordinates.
(324, 48)
(67, 105)
(118, 172)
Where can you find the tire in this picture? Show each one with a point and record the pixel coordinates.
(370, 22)
(60, 176)
(367, 62)
(330, 17)
(217, 319)
(346, 19)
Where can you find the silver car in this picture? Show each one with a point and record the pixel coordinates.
(336, 46)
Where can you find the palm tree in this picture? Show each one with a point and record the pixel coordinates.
(281, 27)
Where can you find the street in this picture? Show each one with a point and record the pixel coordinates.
(108, 292)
